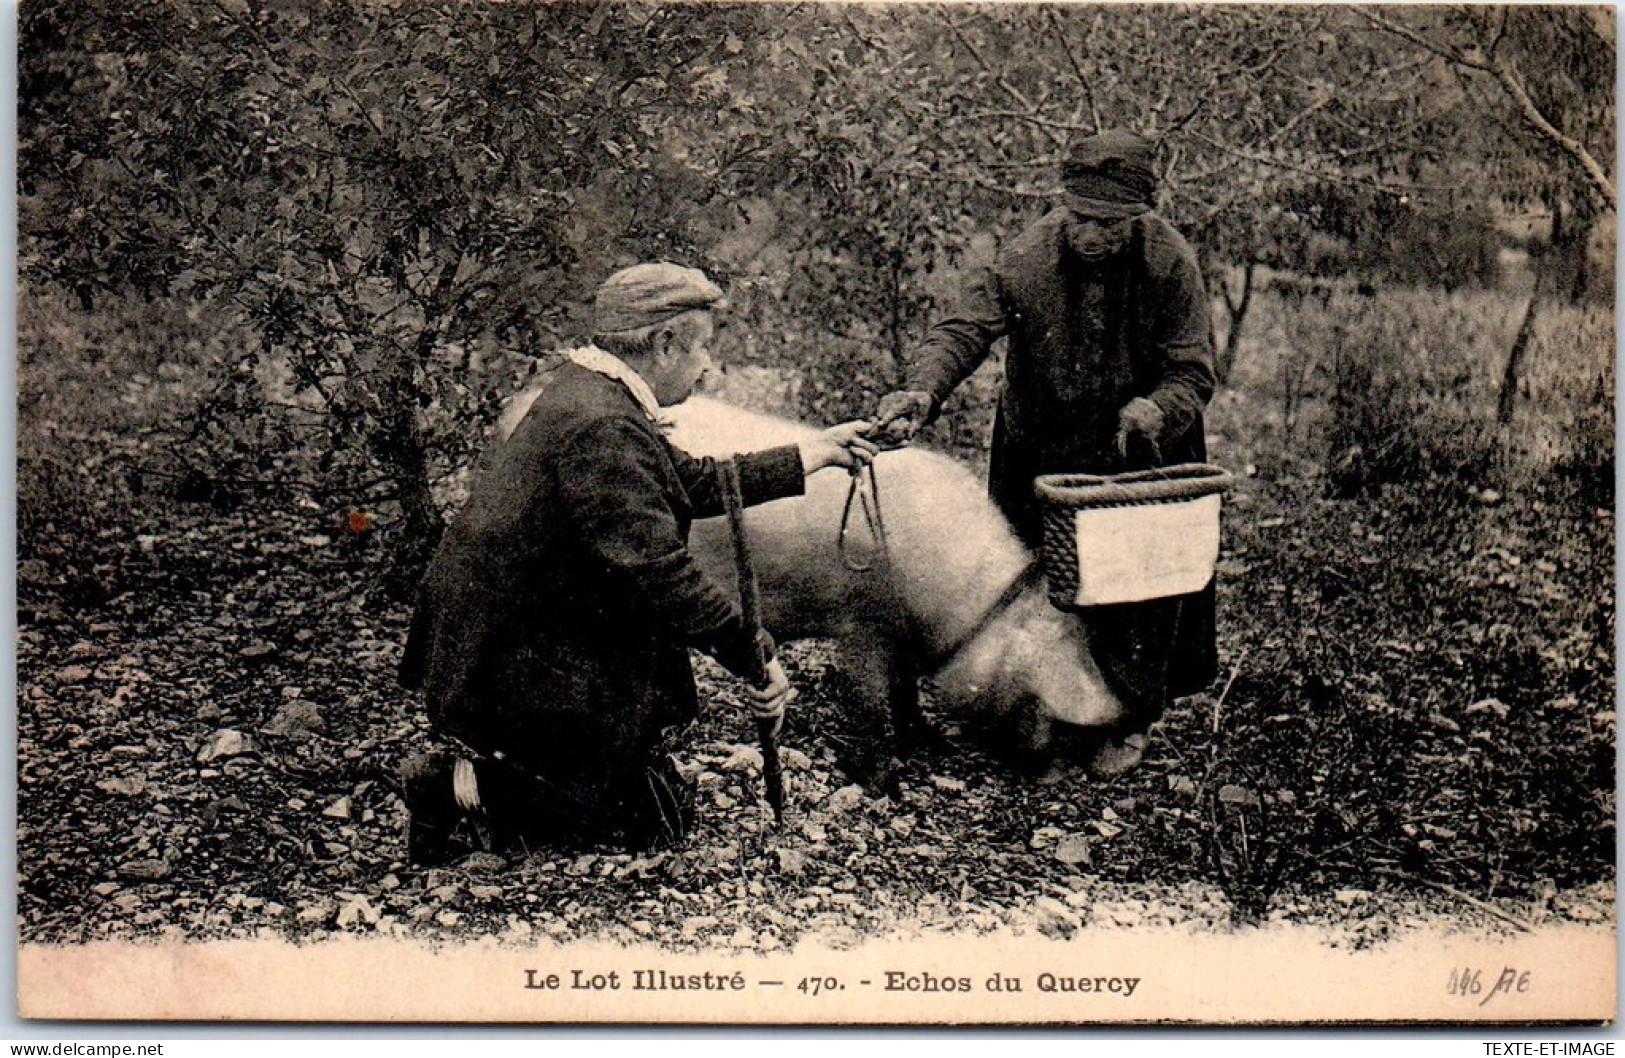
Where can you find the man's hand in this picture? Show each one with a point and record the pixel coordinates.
(767, 703)
(1139, 426)
(839, 446)
(902, 414)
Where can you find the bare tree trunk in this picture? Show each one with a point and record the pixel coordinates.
(1512, 377)
(1566, 262)
(1236, 314)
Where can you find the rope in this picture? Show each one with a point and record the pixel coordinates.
(863, 494)
(867, 500)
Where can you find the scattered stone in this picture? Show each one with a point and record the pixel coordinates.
(146, 870)
(697, 924)
(73, 674)
(743, 758)
(485, 892)
(357, 909)
(223, 744)
(1055, 920)
(339, 809)
(846, 799)
(131, 787)
(944, 782)
(259, 651)
(297, 720)
(106, 888)
(483, 863)
(794, 759)
(1074, 849)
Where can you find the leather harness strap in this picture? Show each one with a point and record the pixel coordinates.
(1027, 578)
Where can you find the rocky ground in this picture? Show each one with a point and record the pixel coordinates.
(1415, 725)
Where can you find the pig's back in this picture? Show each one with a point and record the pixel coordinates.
(951, 553)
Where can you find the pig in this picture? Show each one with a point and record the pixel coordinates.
(949, 593)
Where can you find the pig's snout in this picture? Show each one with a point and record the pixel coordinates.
(1104, 752)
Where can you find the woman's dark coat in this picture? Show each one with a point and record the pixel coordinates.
(1086, 336)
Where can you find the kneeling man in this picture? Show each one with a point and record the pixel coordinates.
(552, 630)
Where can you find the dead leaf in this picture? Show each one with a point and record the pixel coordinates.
(1231, 794)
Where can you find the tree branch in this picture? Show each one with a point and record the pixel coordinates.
(1084, 81)
(1597, 179)
(999, 79)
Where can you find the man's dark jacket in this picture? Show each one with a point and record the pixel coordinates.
(554, 619)
(1086, 336)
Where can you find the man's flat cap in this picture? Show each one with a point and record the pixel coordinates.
(1111, 175)
(647, 294)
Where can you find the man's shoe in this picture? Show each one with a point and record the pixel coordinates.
(445, 820)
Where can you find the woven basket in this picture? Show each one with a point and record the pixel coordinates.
(1130, 537)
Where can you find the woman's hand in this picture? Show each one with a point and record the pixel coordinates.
(839, 446)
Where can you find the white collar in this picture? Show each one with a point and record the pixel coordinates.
(613, 367)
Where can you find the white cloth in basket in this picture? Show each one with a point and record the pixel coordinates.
(1140, 552)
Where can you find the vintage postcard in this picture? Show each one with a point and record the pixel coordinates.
(937, 514)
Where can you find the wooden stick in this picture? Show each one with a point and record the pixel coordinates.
(1487, 908)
